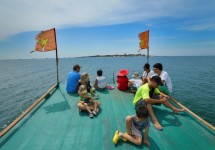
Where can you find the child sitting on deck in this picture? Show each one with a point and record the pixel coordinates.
(86, 102)
(84, 80)
(134, 126)
(100, 82)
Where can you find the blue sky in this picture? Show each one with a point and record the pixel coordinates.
(100, 27)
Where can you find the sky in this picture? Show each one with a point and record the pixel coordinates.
(106, 27)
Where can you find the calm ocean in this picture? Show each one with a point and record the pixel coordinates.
(23, 81)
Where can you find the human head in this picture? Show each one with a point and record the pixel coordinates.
(158, 67)
(146, 67)
(135, 75)
(99, 72)
(142, 111)
(84, 77)
(122, 72)
(76, 68)
(156, 81)
(83, 89)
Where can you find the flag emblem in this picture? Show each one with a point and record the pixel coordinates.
(46, 41)
(144, 39)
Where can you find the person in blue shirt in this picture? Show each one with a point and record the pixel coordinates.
(72, 79)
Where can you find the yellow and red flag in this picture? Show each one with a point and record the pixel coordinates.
(46, 41)
(144, 39)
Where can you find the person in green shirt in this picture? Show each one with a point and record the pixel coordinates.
(149, 94)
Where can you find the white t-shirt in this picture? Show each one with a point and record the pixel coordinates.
(101, 82)
(164, 76)
(137, 82)
(145, 74)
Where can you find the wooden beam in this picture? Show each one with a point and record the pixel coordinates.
(27, 111)
(194, 115)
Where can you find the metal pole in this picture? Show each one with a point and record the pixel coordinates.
(148, 49)
(147, 55)
(56, 58)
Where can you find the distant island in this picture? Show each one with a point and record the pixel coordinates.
(117, 55)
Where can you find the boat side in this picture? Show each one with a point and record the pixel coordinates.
(57, 124)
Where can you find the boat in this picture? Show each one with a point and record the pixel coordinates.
(54, 122)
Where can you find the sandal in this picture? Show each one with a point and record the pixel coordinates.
(91, 115)
(116, 137)
(94, 112)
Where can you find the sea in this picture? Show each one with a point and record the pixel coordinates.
(23, 81)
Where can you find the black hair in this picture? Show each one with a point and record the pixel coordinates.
(99, 72)
(158, 66)
(147, 66)
(142, 111)
(76, 67)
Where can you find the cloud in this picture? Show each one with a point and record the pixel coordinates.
(19, 16)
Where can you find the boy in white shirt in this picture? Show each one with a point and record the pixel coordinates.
(167, 88)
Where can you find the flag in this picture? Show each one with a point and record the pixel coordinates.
(144, 39)
(46, 41)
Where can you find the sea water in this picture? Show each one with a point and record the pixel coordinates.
(22, 82)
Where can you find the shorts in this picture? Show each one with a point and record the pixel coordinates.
(140, 102)
(135, 131)
(156, 97)
(164, 89)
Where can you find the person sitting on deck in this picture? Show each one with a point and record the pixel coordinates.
(135, 82)
(122, 80)
(147, 72)
(100, 82)
(72, 79)
(134, 126)
(167, 84)
(84, 80)
(87, 102)
(150, 94)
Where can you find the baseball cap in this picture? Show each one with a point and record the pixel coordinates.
(158, 80)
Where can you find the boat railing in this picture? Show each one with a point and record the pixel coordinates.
(3, 132)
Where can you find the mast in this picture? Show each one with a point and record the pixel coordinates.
(56, 59)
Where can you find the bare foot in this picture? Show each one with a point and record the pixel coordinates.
(97, 110)
(157, 125)
(178, 110)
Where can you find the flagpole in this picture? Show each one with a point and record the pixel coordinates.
(148, 49)
(147, 55)
(56, 58)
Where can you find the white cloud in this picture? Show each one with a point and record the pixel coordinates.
(19, 16)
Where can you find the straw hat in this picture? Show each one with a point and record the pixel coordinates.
(122, 72)
(83, 89)
(135, 75)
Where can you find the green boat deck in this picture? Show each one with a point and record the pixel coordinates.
(57, 124)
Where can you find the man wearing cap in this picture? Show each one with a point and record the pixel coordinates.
(135, 82)
(72, 79)
(149, 94)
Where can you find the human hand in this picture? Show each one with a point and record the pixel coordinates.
(146, 142)
(163, 100)
(167, 97)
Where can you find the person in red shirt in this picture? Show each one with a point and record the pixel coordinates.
(122, 80)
